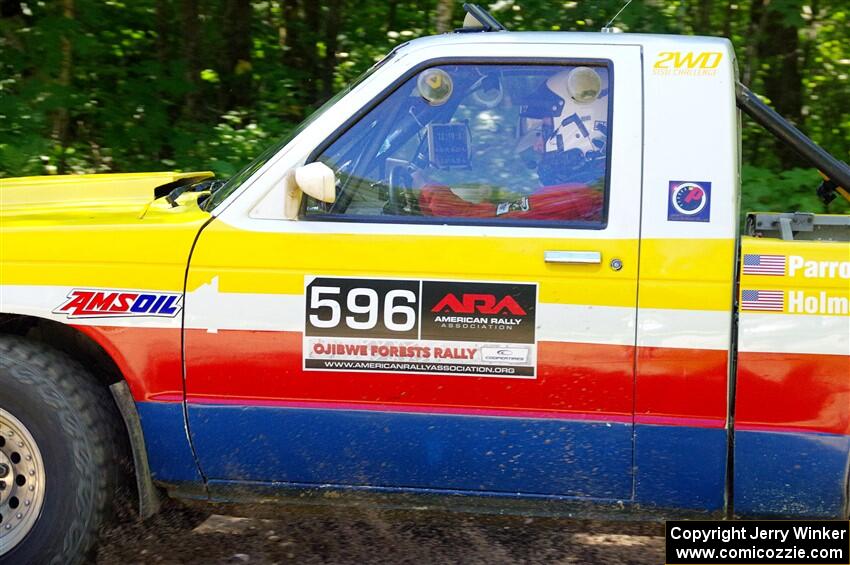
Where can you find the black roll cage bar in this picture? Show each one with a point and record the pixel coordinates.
(836, 173)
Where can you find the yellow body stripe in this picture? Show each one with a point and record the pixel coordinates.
(57, 192)
(816, 279)
(687, 274)
(126, 242)
(821, 253)
(108, 249)
(258, 262)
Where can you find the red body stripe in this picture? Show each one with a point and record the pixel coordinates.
(791, 391)
(686, 387)
(149, 358)
(682, 383)
(267, 365)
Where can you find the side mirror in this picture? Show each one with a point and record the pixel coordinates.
(317, 180)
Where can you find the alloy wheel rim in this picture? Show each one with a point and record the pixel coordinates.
(22, 481)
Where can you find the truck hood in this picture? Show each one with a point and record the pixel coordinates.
(98, 231)
(66, 197)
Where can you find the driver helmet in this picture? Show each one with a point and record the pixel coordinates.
(564, 128)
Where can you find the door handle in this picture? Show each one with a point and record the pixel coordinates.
(576, 257)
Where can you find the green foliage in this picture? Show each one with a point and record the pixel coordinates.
(235, 141)
(792, 190)
(105, 85)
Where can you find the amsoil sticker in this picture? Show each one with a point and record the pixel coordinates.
(420, 326)
(689, 201)
(102, 303)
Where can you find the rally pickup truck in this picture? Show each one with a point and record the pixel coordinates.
(502, 271)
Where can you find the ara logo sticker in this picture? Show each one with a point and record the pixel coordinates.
(99, 303)
(689, 201)
(478, 303)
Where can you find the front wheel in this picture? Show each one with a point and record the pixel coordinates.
(59, 455)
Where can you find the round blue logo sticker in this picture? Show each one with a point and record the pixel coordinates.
(689, 198)
(689, 201)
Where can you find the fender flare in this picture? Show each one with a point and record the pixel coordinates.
(150, 497)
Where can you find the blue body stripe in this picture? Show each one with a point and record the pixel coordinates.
(775, 473)
(786, 473)
(169, 454)
(680, 467)
(434, 451)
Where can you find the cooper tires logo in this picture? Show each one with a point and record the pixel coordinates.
(505, 354)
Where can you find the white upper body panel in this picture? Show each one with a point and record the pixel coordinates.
(257, 204)
(674, 119)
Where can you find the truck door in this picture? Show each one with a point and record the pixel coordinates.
(462, 316)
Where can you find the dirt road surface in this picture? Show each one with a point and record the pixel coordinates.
(362, 536)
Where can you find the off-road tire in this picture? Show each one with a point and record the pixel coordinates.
(76, 428)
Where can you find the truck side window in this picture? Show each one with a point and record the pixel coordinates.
(525, 144)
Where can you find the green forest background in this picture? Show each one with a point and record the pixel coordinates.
(142, 85)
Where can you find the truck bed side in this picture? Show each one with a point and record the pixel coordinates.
(792, 406)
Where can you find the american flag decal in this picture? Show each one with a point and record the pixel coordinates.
(764, 264)
(763, 300)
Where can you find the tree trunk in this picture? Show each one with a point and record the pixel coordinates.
(425, 10)
(392, 14)
(332, 25)
(190, 33)
(783, 82)
(302, 22)
(11, 9)
(290, 38)
(61, 115)
(728, 14)
(704, 17)
(756, 30)
(236, 70)
(444, 15)
(308, 37)
(163, 32)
